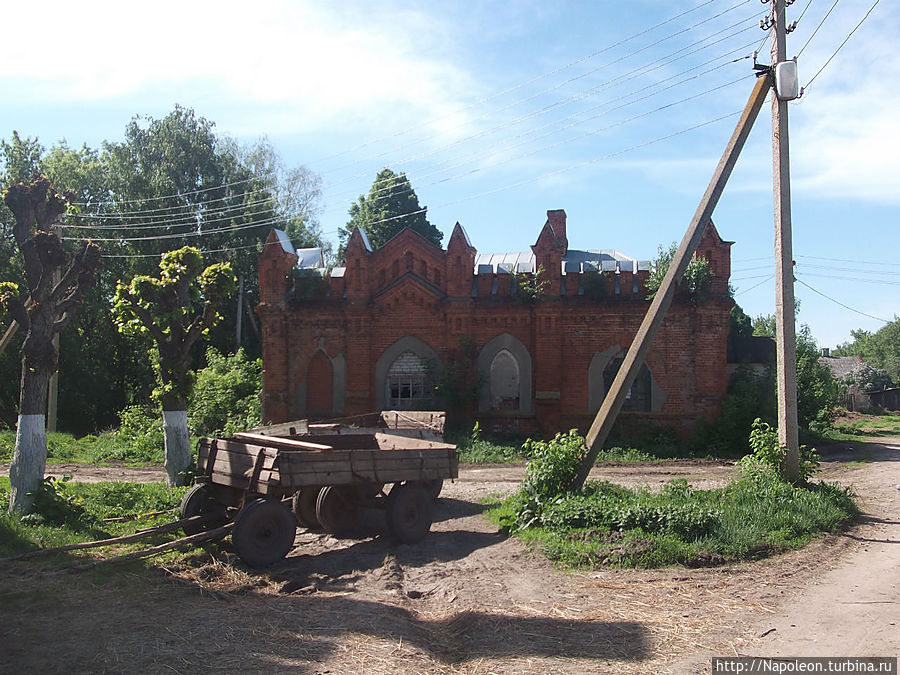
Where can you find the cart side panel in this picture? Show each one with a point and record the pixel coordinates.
(240, 465)
(371, 466)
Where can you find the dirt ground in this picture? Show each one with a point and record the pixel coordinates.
(468, 600)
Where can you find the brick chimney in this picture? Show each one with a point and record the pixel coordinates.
(557, 220)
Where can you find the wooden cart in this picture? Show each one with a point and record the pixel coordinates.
(251, 478)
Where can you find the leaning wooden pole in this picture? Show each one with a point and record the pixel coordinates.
(628, 371)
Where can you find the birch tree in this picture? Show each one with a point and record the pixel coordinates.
(56, 281)
(175, 309)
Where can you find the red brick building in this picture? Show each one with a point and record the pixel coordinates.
(371, 335)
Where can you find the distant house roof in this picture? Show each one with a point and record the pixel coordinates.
(841, 366)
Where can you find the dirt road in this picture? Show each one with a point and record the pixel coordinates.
(467, 600)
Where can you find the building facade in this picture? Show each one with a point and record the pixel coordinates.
(533, 338)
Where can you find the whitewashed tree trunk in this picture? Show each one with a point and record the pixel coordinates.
(26, 472)
(178, 446)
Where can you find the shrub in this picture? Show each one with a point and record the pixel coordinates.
(139, 437)
(767, 455)
(225, 398)
(554, 464)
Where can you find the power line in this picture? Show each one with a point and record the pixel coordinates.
(474, 104)
(856, 279)
(855, 270)
(848, 260)
(747, 290)
(191, 219)
(558, 85)
(455, 201)
(821, 23)
(553, 106)
(645, 68)
(837, 302)
(808, 84)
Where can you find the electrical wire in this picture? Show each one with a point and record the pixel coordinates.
(821, 23)
(548, 108)
(847, 260)
(518, 86)
(390, 191)
(846, 39)
(764, 281)
(837, 302)
(455, 201)
(559, 85)
(456, 112)
(191, 218)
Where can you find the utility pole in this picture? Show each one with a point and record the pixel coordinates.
(785, 334)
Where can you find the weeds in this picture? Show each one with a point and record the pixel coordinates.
(606, 524)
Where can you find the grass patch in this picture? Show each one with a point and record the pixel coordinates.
(68, 513)
(850, 427)
(607, 524)
(92, 449)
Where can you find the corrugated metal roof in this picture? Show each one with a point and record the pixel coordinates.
(573, 262)
(310, 258)
(523, 262)
(284, 241)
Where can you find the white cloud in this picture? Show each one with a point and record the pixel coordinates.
(295, 64)
(845, 142)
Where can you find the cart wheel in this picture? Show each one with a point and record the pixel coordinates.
(433, 487)
(409, 512)
(304, 506)
(198, 502)
(263, 532)
(335, 508)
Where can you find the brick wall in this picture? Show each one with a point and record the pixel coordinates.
(410, 288)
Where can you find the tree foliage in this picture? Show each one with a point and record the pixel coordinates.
(175, 309)
(391, 206)
(696, 280)
(170, 182)
(880, 349)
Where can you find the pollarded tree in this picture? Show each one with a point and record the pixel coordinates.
(175, 309)
(391, 206)
(56, 281)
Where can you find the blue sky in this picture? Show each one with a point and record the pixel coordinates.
(616, 112)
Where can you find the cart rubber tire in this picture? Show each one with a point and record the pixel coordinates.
(433, 487)
(198, 502)
(409, 512)
(264, 532)
(336, 508)
(304, 507)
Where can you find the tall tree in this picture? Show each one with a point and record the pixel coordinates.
(21, 160)
(391, 206)
(175, 309)
(56, 282)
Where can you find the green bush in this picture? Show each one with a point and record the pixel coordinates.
(139, 437)
(767, 455)
(553, 465)
(606, 524)
(226, 396)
